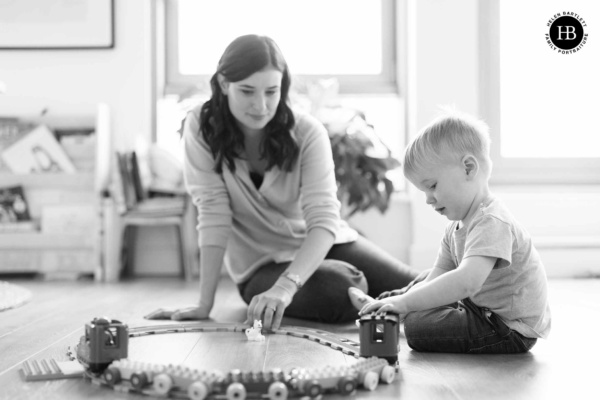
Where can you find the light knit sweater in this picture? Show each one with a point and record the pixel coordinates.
(256, 226)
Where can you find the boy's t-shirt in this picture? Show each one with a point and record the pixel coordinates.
(516, 289)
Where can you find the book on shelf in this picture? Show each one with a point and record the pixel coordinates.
(134, 170)
(127, 188)
(37, 151)
(11, 131)
(14, 210)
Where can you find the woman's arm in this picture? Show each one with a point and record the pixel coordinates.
(209, 195)
(321, 211)
(315, 247)
(211, 258)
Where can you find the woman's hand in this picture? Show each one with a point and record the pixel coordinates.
(179, 314)
(269, 307)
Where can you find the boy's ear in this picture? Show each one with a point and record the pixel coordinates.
(223, 83)
(470, 165)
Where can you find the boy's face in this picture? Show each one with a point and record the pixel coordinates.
(448, 188)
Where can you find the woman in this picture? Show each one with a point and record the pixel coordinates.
(262, 178)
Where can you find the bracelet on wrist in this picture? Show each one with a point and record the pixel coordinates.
(295, 278)
(279, 285)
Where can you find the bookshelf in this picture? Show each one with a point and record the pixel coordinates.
(69, 210)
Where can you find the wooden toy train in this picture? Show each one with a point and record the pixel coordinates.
(103, 350)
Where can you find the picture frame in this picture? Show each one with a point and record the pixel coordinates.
(57, 24)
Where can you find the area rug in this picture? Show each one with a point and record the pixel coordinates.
(12, 295)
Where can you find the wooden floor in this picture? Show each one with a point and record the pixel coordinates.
(564, 367)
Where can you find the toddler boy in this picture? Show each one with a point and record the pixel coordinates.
(487, 291)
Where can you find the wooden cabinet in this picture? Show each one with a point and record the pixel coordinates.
(69, 209)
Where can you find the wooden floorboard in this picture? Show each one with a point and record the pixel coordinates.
(563, 367)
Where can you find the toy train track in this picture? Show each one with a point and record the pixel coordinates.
(102, 351)
(328, 339)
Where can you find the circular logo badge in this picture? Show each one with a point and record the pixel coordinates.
(567, 32)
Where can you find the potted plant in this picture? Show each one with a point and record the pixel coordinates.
(362, 162)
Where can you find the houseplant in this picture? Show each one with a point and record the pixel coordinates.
(362, 160)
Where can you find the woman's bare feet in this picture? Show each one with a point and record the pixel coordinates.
(358, 298)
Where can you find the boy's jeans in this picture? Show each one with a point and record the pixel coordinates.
(324, 297)
(462, 327)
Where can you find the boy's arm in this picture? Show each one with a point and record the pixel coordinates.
(435, 272)
(445, 288)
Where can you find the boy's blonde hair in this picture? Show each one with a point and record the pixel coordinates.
(448, 138)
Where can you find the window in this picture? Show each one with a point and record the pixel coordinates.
(353, 40)
(378, 333)
(541, 105)
(358, 42)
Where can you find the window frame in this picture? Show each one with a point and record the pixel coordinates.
(385, 82)
(518, 170)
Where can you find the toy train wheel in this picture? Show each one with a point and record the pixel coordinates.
(313, 389)
(197, 391)
(236, 391)
(346, 385)
(112, 375)
(278, 391)
(138, 380)
(162, 384)
(388, 374)
(370, 380)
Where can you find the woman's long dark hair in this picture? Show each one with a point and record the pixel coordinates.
(245, 56)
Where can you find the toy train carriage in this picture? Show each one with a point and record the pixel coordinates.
(370, 371)
(105, 340)
(163, 380)
(379, 336)
(314, 382)
(365, 373)
(181, 382)
(273, 384)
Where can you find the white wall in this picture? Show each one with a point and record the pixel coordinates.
(443, 69)
(119, 77)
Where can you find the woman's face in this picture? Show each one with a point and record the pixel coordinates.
(254, 100)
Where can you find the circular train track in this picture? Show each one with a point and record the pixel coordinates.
(187, 383)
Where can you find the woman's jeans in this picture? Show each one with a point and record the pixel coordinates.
(324, 296)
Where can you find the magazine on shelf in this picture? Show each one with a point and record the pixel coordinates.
(14, 210)
(38, 151)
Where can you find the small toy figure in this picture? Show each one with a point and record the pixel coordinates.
(254, 333)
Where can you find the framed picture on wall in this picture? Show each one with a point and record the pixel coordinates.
(56, 24)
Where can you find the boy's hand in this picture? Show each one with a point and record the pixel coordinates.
(389, 304)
